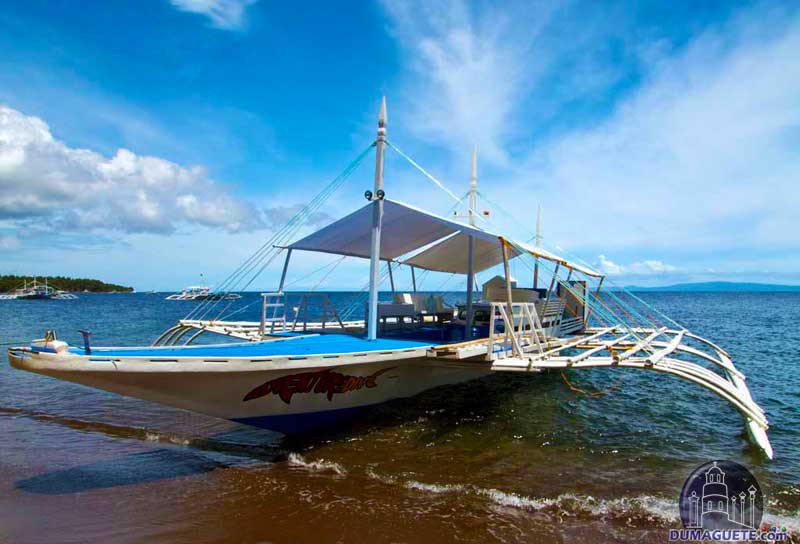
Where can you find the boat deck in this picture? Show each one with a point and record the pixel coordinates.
(299, 345)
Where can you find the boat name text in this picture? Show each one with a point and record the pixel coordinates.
(325, 381)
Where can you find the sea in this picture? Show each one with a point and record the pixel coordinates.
(506, 458)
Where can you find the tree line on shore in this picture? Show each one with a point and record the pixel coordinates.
(62, 283)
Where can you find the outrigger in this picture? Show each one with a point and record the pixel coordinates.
(293, 373)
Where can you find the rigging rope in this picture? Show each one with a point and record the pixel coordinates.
(578, 260)
(608, 314)
(248, 271)
(592, 394)
(267, 252)
(430, 176)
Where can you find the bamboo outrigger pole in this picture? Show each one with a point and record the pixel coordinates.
(377, 220)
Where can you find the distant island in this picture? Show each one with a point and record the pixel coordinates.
(75, 285)
(720, 286)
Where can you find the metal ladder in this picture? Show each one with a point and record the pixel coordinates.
(277, 303)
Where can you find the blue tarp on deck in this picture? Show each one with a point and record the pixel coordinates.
(307, 345)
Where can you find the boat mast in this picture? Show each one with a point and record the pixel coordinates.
(377, 220)
(473, 187)
(537, 243)
(473, 197)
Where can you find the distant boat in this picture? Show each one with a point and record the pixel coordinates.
(37, 291)
(201, 292)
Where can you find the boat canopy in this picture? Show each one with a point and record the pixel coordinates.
(442, 244)
(404, 229)
(449, 255)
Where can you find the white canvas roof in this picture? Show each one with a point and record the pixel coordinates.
(407, 229)
(450, 255)
(404, 229)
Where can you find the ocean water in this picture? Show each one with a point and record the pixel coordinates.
(508, 458)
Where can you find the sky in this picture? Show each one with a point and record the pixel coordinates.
(148, 143)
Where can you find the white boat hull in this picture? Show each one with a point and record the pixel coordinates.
(292, 398)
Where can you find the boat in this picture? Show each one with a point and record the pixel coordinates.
(201, 292)
(37, 291)
(308, 365)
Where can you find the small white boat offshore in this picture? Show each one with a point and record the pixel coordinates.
(315, 364)
(37, 291)
(201, 292)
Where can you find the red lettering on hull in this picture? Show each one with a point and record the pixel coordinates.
(325, 381)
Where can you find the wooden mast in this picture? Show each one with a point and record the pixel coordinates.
(377, 220)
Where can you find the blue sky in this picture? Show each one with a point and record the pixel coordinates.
(145, 143)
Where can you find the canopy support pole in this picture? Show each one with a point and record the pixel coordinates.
(285, 268)
(473, 204)
(377, 220)
(508, 285)
(470, 286)
(552, 285)
(413, 279)
(391, 276)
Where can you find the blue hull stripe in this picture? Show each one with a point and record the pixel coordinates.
(302, 423)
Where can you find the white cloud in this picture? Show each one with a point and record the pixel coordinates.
(46, 184)
(607, 266)
(9, 243)
(467, 70)
(702, 157)
(692, 153)
(651, 267)
(642, 268)
(225, 14)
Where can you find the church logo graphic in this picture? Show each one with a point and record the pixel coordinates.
(721, 495)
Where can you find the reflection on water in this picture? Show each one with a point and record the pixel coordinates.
(505, 458)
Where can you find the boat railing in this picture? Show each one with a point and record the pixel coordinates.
(522, 329)
(551, 308)
(327, 312)
(571, 325)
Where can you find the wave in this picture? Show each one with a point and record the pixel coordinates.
(645, 510)
(318, 465)
(642, 510)
(433, 488)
